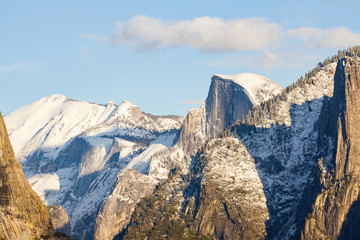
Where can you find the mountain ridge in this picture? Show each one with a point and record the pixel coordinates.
(233, 169)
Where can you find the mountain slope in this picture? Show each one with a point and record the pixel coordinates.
(73, 151)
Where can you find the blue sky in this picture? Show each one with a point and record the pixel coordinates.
(161, 55)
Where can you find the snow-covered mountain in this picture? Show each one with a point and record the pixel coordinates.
(72, 151)
(254, 161)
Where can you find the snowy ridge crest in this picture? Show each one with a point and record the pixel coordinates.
(258, 88)
(52, 121)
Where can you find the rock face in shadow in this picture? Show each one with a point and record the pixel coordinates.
(115, 213)
(333, 212)
(226, 103)
(22, 214)
(60, 219)
(230, 98)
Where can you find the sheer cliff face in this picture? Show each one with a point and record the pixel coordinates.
(336, 208)
(21, 212)
(192, 134)
(347, 103)
(229, 99)
(226, 103)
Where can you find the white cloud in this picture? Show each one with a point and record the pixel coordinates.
(252, 42)
(9, 68)
(20, 66)
(326, 38)
(193, 101)
(204, 33)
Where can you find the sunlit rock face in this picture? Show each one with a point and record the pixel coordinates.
(22, 214)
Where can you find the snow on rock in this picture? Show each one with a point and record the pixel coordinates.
(286, 154)
(141, 163)
(42, 183)
(73, 151)
(51, 187)
(106, 143)
(163, 161)
(258, 88)
(50, 122)
(232, 168)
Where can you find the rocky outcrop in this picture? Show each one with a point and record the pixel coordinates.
(335, 209)
(230, 98)
(22, 214)
(226, 103)
(230, 201)
(60, 219)
(192, 134)
(115, 213)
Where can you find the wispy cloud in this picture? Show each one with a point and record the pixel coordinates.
(28, 66)
(83, 50)
(193, 101)
(92, 36)
(326, 38)
(9, 68)
(264, 60)
(204, 33)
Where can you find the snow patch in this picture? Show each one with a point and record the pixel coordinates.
(255, 85)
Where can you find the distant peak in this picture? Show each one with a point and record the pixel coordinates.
(110, 103)
(127, 103)
(126, 106)
(244, 78)
(56, 97)
(259, 88)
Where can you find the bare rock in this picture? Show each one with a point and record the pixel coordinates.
(22, 214)
(192, 134)
(115, 213)
(336, 207)
(60, 219)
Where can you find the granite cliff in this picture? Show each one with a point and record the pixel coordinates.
(230, 98)
(335, 207)
(22, 214)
